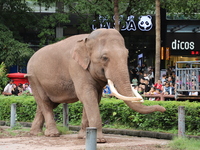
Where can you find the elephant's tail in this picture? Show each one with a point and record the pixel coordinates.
(27, 75)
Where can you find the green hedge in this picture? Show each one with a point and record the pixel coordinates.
(113, 111)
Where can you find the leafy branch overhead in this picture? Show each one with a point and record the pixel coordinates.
(12, 52)
(47, 25)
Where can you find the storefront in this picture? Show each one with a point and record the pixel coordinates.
(182, 41)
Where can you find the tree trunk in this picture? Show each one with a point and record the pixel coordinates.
(158, 42)
(116, 14)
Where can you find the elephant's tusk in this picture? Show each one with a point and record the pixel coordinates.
(137, 94)
(138, 97)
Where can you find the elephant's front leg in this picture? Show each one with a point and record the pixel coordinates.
(91, 118)
(84, 125)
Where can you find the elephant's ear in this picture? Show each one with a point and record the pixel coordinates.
(80, 54)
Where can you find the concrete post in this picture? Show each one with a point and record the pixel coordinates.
(59, 32)
(91, 138)
(181, 121)
(65, 115)
(13, 115)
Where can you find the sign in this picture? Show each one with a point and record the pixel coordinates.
(183, 43)
(144, 23)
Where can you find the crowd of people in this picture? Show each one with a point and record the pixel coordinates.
(143, 81)
(12, 89)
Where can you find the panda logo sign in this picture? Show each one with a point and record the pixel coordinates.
(145, 23)
(129, 24)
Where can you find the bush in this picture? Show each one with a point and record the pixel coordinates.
(26, 107)
(113, 111)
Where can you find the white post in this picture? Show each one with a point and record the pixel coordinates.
(59, 32)
(91, 138)
(13, 115)
(181, 121)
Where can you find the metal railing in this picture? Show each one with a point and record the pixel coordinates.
(187, 77)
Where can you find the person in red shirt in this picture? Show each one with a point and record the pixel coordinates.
(158, 85)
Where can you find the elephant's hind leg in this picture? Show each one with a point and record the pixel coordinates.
(44, 112)
(38, 123)
(51, 129)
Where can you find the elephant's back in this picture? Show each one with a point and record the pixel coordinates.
(51, 56)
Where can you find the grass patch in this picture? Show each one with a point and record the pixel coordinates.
(63, 130)
(185, 144)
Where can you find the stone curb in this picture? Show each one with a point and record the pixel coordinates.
(138, 133)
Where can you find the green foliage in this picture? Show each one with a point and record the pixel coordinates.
(26, 107)
(179, 9)
(12, 52)
(184, 144)
(63, 130)
(3, 77)
(114, 112)
(47, 25)
(15, 15)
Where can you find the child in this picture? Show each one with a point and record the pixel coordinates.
(167, 90)
(140, 90)
(152, 92)
(135, 81)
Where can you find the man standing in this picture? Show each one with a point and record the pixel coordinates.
(8, 89)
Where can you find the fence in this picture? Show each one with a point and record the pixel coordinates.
(187, 79)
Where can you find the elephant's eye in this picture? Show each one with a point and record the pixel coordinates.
(104, 58)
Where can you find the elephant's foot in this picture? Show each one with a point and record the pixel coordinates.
(100, 138)
(81, 134)
(52, 132)
(35, 131)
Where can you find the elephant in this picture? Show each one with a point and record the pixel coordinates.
(76, 69)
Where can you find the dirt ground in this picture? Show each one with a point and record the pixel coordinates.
(22, 140)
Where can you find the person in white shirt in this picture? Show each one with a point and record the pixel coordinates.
(8, 89)
(193, 93)
(27, 88)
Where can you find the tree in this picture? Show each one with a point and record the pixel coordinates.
(158, 41)
(116, 15)
(13, 52)
(46, 27)
(15, 16)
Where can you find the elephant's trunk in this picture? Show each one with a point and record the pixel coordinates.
(133, 102)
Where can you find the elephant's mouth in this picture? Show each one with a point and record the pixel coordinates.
(138, 97)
